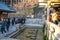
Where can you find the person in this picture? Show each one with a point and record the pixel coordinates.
(3, 26)
(23, 20)
(16, 21)
(55, 17)
(12, 21)
(8, 24)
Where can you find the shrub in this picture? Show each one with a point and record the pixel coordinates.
(45, 37)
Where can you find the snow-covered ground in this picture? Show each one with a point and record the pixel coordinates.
(34, 22)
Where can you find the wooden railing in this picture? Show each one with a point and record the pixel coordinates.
(52, 31)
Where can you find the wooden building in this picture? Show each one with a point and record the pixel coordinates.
(3, 11)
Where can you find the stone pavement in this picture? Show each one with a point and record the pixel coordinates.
(31, 34)
(9, 39)
(40, 34)
(11, 29)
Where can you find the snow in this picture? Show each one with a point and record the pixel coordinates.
(11, 29)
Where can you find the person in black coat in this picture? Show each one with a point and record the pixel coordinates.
(23, 20)
(8, 24)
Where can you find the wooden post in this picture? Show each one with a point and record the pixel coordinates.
(48, 11)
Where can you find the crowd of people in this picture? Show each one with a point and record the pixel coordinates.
(5, 23)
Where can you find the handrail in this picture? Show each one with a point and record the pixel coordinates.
(51, 24)
(53, 28)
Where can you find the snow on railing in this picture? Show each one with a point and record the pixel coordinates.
(53, 31)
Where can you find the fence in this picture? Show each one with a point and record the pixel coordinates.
(52, 31)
